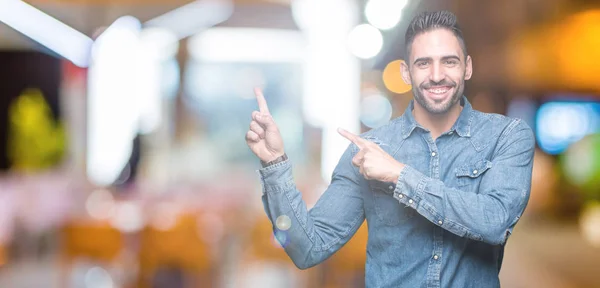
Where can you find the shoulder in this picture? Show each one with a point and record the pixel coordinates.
(500, 128)
(385, 134)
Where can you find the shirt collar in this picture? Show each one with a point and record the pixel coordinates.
(462, 126)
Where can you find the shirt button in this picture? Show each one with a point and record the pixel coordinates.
(435, 257)
(451, 132)
(410, 201)
(440, 222)
(474, 171)
(400, 196)
(433, 154)
(391, 187)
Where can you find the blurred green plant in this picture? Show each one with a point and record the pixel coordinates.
(35, 140)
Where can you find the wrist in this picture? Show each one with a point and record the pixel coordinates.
(277, 159)
(397, 171)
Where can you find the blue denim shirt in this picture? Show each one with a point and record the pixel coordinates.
(445, 221)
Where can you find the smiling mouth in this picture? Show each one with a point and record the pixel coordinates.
(439, 90)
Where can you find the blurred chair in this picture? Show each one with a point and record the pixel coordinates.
(177, 253)
(91, 241)
(346, 268)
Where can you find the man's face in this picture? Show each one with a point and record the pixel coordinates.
(437, 70)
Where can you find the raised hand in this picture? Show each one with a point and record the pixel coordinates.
(372, 161)
(263, 137)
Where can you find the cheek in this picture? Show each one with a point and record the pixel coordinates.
(456, 75)
(418, 76)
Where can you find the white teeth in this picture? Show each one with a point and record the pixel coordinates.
(439, 90)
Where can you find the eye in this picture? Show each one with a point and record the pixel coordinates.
(450, 62)
(422, 64)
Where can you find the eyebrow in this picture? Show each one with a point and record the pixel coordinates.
(443, 58)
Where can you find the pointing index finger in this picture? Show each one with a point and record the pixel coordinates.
(262, 103)
(361, 143)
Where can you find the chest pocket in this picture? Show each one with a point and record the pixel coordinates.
(389, 211)
(470, 175)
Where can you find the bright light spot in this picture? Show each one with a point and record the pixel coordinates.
(193, 17)
(384, 14)
(46, 30)
(283, 222)
(376, 110)
(365, 41)
(124, 30)
(579, 162)
(100, 204)
(98, 278)
(159, 43)
(241, 45)
(392, 78)
(589, 223)
(561, 123)
(112, 100)
(330, 17)
(128, 217)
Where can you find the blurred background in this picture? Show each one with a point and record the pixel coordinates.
(122, 152)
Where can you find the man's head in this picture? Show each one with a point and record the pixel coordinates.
(436, 61)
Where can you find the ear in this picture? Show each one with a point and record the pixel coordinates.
(405, 73)
(469, 68)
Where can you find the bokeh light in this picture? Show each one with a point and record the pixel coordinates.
(365, 41)
(128, 217)
(283, 222)
(581, 163)
(375, 111)
(160, 43)
(392, 78)
(589, 223)
(97, 277)
(100, 204)
(384, 14)
(560, 124)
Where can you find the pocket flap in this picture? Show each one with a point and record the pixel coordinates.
(473, 170)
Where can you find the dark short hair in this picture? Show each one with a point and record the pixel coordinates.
(427, 21)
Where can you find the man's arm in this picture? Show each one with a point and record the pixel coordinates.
(314, 235)
(489, 215)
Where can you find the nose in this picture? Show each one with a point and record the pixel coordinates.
(437, 73)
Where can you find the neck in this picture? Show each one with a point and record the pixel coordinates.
(436, 123)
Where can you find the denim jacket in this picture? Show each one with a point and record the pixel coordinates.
(444, 223)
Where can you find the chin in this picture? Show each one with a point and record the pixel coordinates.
(438, 106)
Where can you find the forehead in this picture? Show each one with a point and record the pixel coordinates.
(435, 44)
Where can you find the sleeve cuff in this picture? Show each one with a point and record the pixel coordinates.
(277, 177)
(410, 186)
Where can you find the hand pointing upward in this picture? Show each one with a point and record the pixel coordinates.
(263, 137)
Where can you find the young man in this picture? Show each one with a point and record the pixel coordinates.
(441, 186)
